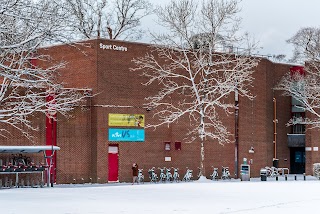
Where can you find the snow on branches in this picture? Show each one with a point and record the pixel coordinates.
(304, 87)
(25, 83)
(197, 68)
(190, 63)
(118, 19)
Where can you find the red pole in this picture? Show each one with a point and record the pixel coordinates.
(51, 138)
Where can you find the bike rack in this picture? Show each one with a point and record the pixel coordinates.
(31, 149)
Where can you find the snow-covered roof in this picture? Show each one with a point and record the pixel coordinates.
(27, 149)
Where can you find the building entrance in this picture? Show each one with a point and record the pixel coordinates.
(297, 160)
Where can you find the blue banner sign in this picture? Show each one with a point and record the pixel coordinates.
(126, 135)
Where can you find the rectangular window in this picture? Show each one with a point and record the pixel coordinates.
(177, 145)
(167, 146)
(298, 128)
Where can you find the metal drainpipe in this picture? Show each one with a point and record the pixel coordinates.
(236, 133)
(275, 121)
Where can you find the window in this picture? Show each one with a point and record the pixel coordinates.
(167, 146)
(177, 145)
(298, 115)
(298, 128)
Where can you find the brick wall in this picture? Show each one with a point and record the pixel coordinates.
(84, 137)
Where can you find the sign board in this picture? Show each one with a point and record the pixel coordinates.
(126, 135)
(131, 120)
(167, 159)
(113, 47)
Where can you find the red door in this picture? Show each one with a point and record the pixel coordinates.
(113, 161)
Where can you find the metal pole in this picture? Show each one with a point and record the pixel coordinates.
(17, 179)
(52, 139)
(49, 169)
(52, 136)
(236, 133)
(275, 127)
(42, 182)
(48, 172)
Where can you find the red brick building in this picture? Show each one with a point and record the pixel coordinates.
(87, 153)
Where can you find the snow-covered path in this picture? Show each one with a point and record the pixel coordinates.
(194, 197)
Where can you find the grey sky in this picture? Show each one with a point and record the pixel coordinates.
(272, 22)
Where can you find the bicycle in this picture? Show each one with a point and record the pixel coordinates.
(272, 171)
(140, 177)
(316, 170)
(175, 174)
(225, 173)
(188, 175)
(168, 175)
(214, 175)
(162, 176)
(153, 175)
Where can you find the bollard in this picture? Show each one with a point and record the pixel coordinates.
(304, 176)
(285, 177)
(295, 177)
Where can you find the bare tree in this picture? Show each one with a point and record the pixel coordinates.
(306, 90)
(304, 86)
(118, 19)
(197, 78)
(306, 43)
(25, 25)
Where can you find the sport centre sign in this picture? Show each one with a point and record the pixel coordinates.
(113, 47)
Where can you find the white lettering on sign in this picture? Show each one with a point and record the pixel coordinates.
(113, 47)
(117, 134)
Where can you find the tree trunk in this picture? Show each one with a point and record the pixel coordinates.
(202, 134)
(202, 169)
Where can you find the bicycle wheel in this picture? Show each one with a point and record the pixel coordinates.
(184, 178)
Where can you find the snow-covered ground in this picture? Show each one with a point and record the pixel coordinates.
(203, 196)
